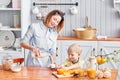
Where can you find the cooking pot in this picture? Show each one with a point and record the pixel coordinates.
(85, 33)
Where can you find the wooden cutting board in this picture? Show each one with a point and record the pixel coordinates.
(61, 76)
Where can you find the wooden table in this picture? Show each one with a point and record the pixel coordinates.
(40, 73)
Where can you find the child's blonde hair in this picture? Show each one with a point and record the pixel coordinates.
(74, 48)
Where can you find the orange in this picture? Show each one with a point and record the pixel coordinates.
(65, 73)
(61, 71)
(81, 72)
(72, 71)
(103, 60)
(98, 59)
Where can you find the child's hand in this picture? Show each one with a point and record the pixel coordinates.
(58, 66)
(52, 66)
(66, 68)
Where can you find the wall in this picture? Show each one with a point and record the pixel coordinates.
(101, 15)
(25, 15)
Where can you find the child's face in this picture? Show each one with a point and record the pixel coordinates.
(54, 21)
(73, 56)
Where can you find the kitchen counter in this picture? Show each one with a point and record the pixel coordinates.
(40, 73)
(95, 39)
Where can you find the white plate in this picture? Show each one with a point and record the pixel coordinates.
(4, 2)
(7, 38)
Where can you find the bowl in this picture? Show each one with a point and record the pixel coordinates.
(85, 33)
(15, 67)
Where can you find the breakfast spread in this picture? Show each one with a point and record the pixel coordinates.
(68, 73)
(90, 73)
(104, 73)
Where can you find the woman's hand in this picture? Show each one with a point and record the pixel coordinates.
(37, 52)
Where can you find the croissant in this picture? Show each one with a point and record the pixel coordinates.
(107, 74)
(99, 74)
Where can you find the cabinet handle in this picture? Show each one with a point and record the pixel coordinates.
(56, 51)
(93, 52)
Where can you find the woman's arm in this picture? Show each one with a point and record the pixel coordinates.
(53, 58)
(26, 46)
(29, 47)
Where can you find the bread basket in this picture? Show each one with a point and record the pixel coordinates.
(85, 33)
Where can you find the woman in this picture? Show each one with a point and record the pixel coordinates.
(42, 38)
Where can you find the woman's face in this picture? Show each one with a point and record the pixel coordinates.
(54, 21)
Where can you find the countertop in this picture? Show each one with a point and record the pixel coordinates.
(41, 73)
(94, 39)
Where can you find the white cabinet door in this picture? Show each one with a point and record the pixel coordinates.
(87, 47)
(109, 47)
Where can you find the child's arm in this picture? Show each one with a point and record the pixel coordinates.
(71, 67)
(62, 64)
(74, 66)
(59, 66)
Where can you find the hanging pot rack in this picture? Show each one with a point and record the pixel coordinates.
(34, 3)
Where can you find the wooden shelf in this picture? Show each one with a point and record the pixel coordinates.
(10, 51)
(7, 9)
(12, 29)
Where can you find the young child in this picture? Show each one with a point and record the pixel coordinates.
(73, 61)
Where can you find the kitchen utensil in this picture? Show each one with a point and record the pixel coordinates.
(85, 33)
(7, 38)
(18, 60)
(4, 2)
(73, 10)
(35, 10)
(15, 67)
(61, 76)
(92, 63)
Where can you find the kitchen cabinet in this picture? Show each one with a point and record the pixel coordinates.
(87, 49)
(109, 47)
(116, 4)
(10, 20)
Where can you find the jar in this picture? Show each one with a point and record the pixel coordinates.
(6, 62)
(92, 67)
(92, 63)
